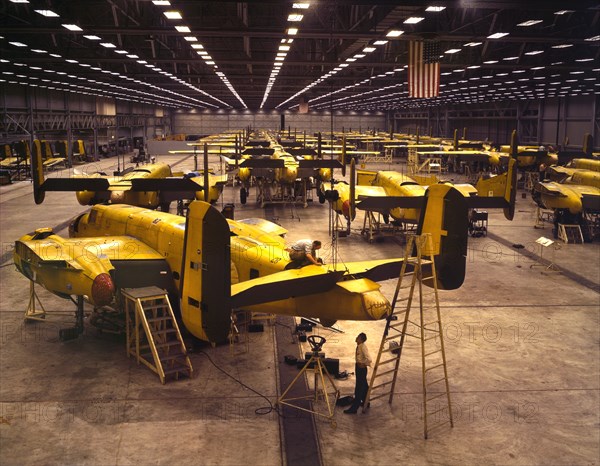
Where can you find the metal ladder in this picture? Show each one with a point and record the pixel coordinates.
(153, 335)
(417, 271)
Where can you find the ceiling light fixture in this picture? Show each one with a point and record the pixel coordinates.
(47, 13)
(530, 22)
(435, 8)
(295, 17)
(394, 33)
(497, 35)
(72, 27)
(183, 29)
(413, 20)
(172, 14)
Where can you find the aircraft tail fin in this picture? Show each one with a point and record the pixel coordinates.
(352, 199)
(445, 217)
(588, 144)
(206, 274)
(500, 190)
(37, 175)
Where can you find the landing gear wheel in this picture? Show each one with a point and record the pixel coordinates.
(243, 195)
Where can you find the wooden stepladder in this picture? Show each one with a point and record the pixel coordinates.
(153, 335)
(416, 271)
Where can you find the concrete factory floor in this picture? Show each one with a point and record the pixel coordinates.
(522, 347)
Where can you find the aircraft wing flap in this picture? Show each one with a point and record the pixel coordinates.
(263, 163)
(376, 270)
(282, 285)
(369, 191)
(164, 184)
(320, 163)
(549, 188)
(219, 179)
(76, 184)
(591, 202)
(385, 204)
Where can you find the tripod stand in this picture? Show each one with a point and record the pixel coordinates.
(314, 364)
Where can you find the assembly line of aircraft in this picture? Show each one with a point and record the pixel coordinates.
(211, 265)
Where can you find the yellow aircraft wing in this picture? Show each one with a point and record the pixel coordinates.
(310, 279)
(268, 227)
(371, 191)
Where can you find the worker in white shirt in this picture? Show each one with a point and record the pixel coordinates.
(304, 252)
(363, 360)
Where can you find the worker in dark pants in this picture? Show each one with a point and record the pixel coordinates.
(363, 361)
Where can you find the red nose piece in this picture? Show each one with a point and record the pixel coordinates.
(346, 209)
(103, 289)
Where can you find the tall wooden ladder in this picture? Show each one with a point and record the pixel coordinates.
(153, 335)
(416, 271)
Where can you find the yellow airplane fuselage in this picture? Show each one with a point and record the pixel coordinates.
(120, 188)
(253, 254)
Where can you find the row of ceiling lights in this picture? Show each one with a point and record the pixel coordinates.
(175, 15)
(370, 80)
(43, 82)
(294, 18)
(111, 46)
(108, 45)
(190, 100)
(585, 87)
(483, 92)
(414, 20)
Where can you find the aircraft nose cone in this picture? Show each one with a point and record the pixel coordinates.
(103, 289)
(346, 208)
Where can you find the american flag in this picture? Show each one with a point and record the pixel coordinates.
(424, 69)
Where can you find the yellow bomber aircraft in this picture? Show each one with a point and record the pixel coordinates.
(573, 193)
(211, 265)
(148, 186)
(397, 195)
(279, 165)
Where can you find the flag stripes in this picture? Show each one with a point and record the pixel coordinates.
(423, 69)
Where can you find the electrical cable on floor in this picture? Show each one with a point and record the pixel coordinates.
(6, 265)
(260, 411)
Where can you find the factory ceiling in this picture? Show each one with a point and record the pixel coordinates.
(333, 54)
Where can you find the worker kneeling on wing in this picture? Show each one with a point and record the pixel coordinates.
(303, 252)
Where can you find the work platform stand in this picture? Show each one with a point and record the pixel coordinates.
(419, 272)
(321, 374)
